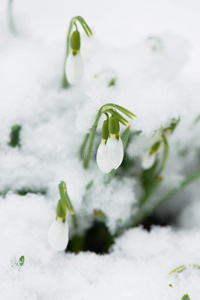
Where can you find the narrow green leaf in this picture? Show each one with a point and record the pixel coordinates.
(117, 114)
(179, 269)
(21, 260)
(15, 136)
(89, 185)
(112, 82)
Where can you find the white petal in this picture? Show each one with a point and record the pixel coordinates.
(102, 161)
(114, 152)
(74, 68)
(148, 160)
(58, 235)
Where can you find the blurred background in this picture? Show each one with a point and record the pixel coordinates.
(115, 23)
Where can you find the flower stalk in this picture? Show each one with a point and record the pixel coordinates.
(11, 22)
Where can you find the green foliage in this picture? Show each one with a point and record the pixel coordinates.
(15, 136)
(112, 82)
(17, 263)
(183, 268)
(89, 185)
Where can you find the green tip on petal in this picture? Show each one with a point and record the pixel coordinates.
(105, 132)
(114, 125)
(75, 41)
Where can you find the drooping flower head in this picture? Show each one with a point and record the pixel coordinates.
(110, 152)
(74, 63)
(58, 234)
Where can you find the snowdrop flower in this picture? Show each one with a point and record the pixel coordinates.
(58, 234)
(148, 160)
(74, 63)
(101, 158)
(149, 157)
(111, 151)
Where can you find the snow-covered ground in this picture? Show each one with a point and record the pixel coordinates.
(152, 50)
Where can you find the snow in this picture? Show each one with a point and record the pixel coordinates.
(138, 259)
(151, 50)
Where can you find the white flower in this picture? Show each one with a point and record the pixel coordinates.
(101, 158)
(74, 68)
(58, 235)
(114, 151)
(148, 160)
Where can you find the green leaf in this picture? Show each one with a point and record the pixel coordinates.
(197, 119)
(15, 136)
(89, 185)
(155, 147)
(21, 260)
(65, 200)
(179, 269)
(17, 263)
(112, 82)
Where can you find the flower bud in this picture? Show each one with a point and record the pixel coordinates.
(74, 63)
(148, 160)
(58, 235)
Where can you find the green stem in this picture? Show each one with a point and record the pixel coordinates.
(146, 210)
(91, 140)
(82, 148)
(10, 18)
